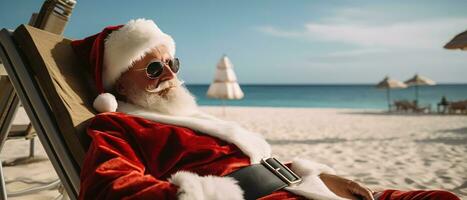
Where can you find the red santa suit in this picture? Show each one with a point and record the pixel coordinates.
(146, 155)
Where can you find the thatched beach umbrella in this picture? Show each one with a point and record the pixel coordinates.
(388, 84)
(225, 85)
(418, 80)
(458, 42)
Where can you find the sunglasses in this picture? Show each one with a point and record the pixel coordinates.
(155, 68)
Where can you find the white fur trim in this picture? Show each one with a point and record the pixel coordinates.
(308, 167)
(312, 186)
(128, 44)
(105, 102)
(195, 187)
(251, 144)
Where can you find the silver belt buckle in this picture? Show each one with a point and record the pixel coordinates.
(278, 169)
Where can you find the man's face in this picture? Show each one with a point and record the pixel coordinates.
(163, 93)
(137, 73)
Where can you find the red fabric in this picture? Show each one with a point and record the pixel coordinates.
(131, 158)
(418, 195)
(91, 50)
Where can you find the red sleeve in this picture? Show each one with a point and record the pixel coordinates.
(113, 168)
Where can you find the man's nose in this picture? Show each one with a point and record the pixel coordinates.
(166, 75)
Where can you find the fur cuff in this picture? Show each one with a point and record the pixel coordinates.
(312, 186)
(307, 167)
(195, 187)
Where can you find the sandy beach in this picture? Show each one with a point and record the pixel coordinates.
(381, 150)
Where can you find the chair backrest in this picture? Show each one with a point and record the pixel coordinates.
(53, 17)
(54, 89)
(63, 81)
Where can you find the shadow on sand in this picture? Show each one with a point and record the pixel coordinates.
(456, 130)
(462, 189)
(449, 140)
(317, 141)
(385, 113)
(326, 140)
(445, 140)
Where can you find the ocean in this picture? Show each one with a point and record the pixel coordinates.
(331, 96)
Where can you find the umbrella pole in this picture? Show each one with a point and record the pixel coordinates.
(388, 96)
(416, 95)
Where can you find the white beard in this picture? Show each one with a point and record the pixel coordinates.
(178, 100)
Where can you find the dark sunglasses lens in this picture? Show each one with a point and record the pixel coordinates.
(174, 65)
(154, 69)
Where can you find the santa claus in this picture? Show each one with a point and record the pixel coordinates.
(154, 142)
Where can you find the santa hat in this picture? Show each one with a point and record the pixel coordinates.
(112, 52)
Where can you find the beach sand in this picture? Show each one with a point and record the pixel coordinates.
(380, 150)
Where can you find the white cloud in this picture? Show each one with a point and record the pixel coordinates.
(358, 45)
(280, 33)
(402, 34)
(356, 52)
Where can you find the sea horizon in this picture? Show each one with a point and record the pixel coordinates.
(348, 96)
(313, 84)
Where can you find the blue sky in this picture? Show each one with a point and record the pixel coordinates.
(291, 42)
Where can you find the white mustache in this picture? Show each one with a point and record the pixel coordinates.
(166, 84)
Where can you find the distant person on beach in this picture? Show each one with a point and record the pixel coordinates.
(444, 104)
(159, 145)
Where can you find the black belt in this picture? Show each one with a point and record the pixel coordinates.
(259, 180)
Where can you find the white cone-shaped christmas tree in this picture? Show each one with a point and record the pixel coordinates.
(225, 84)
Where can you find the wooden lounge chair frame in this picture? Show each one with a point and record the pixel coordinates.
(53, 17)
(455, 106)
(407, 106)
(52, 117)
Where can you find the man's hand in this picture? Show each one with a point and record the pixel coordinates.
(346, 188)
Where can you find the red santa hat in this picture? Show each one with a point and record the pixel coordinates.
(112, 52)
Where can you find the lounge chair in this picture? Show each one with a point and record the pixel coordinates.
(407, 106)
(458, 106)
(50, 83)
(52, 17)
(400, 105)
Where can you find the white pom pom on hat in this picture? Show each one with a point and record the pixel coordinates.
(112, 52)
(105, 102)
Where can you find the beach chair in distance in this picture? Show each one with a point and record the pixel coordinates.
(396, 106)
(456, 106)
(407, 106)
(416, 108)
(403, 105)
(51, 85)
